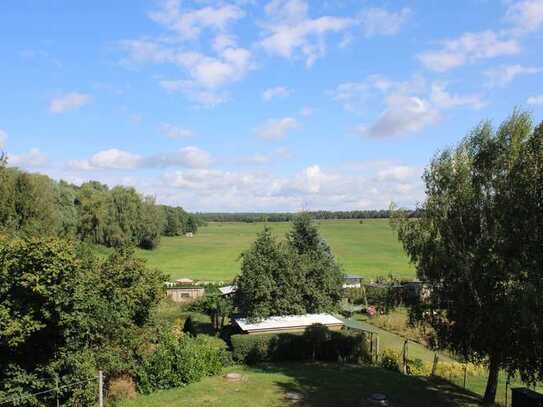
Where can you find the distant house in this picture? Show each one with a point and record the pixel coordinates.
(185, 295)
(352, 281)
(291, 323)
(228, 290)
(184, 281)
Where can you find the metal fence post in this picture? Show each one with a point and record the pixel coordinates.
(58, 401)
(100, 389)
(377, 348)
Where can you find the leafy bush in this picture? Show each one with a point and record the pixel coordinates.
(344, 345)
(390, 360)
(179, 361)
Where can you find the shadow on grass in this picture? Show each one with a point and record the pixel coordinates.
(344, 385)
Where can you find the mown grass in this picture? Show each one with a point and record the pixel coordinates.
(323, 385)
(397, 321)
(369, 249)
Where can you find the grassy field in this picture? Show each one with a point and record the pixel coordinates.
(369, 249)
(323, 386)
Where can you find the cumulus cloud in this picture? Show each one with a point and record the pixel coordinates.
(277, 91)
(266, 158)
(443, 99)
(504, 75)
(409, 106)
(361, 186)
(205, 73)
(468, 48)
(68, 101)
(115, 159)
(174, 132)
(276, 129)
(291, 32)
(378, 21)
(535, 100)
(202, 97)
(190, 23)
(306, 111)
(32, 159)
(526, 15)
(403, 115)
(3, 138)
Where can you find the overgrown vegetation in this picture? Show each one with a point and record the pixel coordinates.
(65, 313)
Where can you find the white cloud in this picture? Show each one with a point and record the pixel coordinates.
(526, 15)
(503, 75)
(68, 101)
(363, 186)
(174, 132)
(205, 73)
(190, 23)
(33, 159)
(378, 21)
(194, 157)
(535, 100)
(442, 99)
(291, 32)
(202, 97)
(403, 115)
(277, 91)
(469, 48)
(115, 159)
(3, 138)
(277, 155)
(306, 111)
(351, 95)
(276, 129)
(356, 96)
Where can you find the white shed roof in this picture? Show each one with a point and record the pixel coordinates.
(229, 289)
(287, 322)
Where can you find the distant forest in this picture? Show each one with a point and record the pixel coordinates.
(250, 217)
(34, 204)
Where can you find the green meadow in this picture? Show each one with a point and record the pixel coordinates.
(369, 249)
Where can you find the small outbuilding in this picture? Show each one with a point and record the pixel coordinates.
(184, 281)
(352, 281)
(290, 323)
(185, 295)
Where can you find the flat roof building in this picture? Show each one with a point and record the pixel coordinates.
(290, 323)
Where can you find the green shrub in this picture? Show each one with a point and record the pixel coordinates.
(179, 361)
(345, 345)
(390, 360)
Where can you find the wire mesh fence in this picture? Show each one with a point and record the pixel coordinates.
(57, 394)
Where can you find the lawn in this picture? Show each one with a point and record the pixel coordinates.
(323, 386)
(369, 249)
(391, 340)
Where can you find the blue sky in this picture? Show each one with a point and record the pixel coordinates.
(260, 105)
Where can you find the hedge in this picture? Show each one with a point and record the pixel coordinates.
(344, 345)
(177, 361)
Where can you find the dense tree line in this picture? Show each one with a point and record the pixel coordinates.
(478, 243)
(250, 217)
(33, 204)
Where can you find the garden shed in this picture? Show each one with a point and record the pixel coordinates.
(290, 323)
